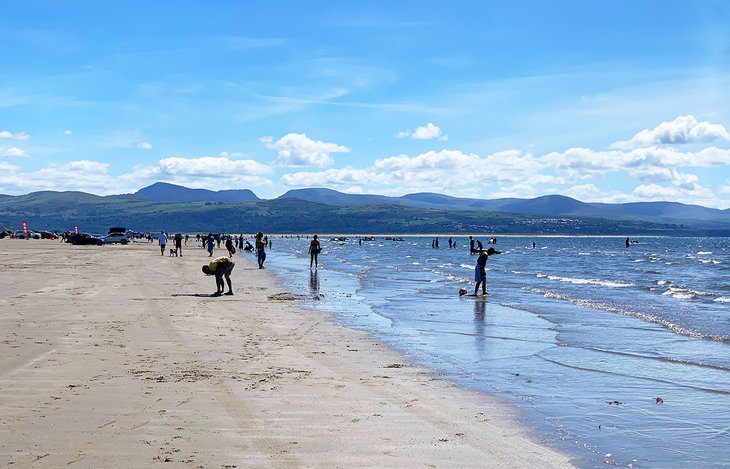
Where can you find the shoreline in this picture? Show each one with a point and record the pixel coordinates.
(217, 381)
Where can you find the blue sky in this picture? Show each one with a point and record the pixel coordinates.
(484, 99)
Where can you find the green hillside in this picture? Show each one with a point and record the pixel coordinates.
(58, 211)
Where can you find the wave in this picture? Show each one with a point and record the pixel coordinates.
(626, 312)
(685, 293)
(704, 253)
(586, 281)
(722, 299)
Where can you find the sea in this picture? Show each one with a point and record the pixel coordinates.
(617, 355)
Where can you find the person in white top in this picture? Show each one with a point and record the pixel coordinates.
(163, 242)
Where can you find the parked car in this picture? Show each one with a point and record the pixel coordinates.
(48, 235)
(117, 235)
(114, 238)
(84, 238)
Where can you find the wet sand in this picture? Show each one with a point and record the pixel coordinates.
(114, 357)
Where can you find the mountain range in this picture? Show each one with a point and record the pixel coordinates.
(319, 209)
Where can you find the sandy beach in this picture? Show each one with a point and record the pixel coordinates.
(115, 356)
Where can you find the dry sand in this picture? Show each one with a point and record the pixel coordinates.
(109, 359)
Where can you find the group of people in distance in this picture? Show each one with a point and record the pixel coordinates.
(221, 267)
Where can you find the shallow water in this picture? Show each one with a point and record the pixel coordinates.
(569, 328)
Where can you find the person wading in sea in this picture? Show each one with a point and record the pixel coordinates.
(480, 271)
(314, 249)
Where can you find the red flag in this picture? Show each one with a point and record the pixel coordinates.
(76, 229)
(25, 228)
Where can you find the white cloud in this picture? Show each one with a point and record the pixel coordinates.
(683, 129)
(67, 132)
(427, 132)
(12, 151)
(22, 136)
(332, 177)
(93, 176)
(144, 145)
(299, 150)
(211, 166)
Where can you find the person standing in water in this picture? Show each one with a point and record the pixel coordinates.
(480, 271)
(260, 249)
(628, 242)
(471, 245)
(314, 249)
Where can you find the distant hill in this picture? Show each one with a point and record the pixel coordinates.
(165, 192)
(171, 207)
(549, 205)
(332, 197)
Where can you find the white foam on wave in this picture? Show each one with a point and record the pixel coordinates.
(466, 266)
(584, 253)
(722, 299)
(642, 316)
(416, 263)
(587, 281)
(639, 260)
(685, 293)
(663, 282)
(704, 253)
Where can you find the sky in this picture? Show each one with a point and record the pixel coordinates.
(617, 101)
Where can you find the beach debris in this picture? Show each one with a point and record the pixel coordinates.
(614, 402)
(286, 296)
(395, 365)
(659, 400)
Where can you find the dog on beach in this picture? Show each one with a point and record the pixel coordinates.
(173, 252)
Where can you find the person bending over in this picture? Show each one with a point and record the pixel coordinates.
(220, 267)
(480, 271)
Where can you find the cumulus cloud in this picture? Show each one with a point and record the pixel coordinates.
(212, 166)
(450, 171)
(67, 132)
(12, 151)
(22, 136)
(82, 175)
(683, 129)
(144, 145)
(93, 176)
(427, 132)
(299, 150)
(333, 177)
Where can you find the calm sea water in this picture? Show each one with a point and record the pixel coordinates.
(570, 328)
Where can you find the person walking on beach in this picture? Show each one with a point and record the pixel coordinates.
(220, 267)
(211, 244)
(178, 244)
(314, 250)
(260, 249)
(480, 271)
(230, 247)
(163, 242)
